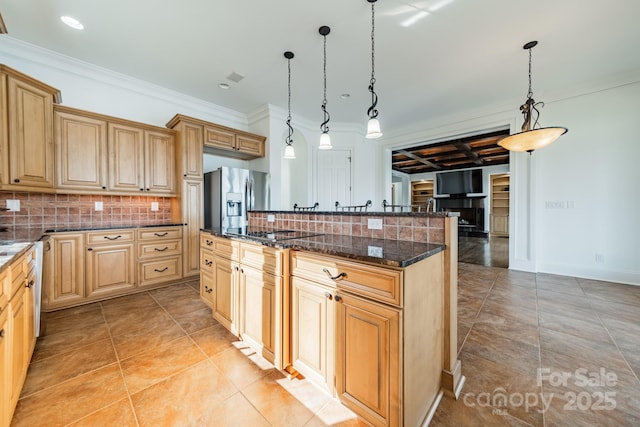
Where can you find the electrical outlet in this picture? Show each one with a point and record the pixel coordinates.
(154, 206)
(271, 218)
(374, 224)
(13, 205)
(374, 251)
(98, 206)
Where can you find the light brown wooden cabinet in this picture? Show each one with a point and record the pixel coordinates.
(233, 143)
(26, 132)
(191, 207)
(421, 192)
(63, 270)
(17, 323)
(313, 332)
(387, 353)
(248, 295)
(5, 364)
(81, 150)
(109, 263)
(159, 255)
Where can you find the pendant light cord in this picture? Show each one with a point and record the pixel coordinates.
(289, 141)
(372, 112)
(323, 126)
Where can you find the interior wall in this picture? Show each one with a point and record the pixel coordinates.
(587, 201)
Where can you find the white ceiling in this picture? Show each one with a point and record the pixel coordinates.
(463, 55)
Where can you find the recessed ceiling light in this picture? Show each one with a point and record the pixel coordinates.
(223, 85)
(345, 96)
(72, 22)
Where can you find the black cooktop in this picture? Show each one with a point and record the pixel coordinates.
(269, 234)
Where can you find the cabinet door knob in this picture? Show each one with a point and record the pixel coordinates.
(328, 295)
(338, 298)
(30, 283)
(104, 187)
(1, 333)
(328, 273)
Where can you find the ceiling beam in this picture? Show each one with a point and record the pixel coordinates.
(419, 159)
(469, 152)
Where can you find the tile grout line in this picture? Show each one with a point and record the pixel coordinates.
(124, 381)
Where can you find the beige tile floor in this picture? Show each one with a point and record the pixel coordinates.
(158, 359)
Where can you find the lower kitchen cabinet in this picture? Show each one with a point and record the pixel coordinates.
(367, 359)
(370, 335)
(17, 332)
(248, 296)
(63, 270)
(259, 317)
(226, 276)
(5, 364)
(88, 266)
(313, 332)
(110, 263)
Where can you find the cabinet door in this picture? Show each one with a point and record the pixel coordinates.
(5, 368)
(225, 293)
(18, 356)
(63, 270)
(499, 225)
(126, 158)
(250, 145)
(81, 152)
(192, 141)
(110, 270)
(192, 208)
(219, 138)
(313, 331)
(367, 355)
(258, 318)
(30, 135)
(160, 162)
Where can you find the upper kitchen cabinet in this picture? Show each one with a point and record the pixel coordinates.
(141, 159)
(81, 149)
(26, 132)
(221, 140)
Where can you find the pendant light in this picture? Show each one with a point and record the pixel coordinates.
(325, 139)
(533, 136)
(289, 152)
(373, 126)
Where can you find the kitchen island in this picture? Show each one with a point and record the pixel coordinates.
(371, 321)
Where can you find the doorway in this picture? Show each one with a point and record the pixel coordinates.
(334, 178)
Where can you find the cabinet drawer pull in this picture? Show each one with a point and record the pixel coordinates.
(207, 262)
(208, 289)
(160, 234)
(160, 271)
(161, 250)
(16, 180)
(209, 242)
(328, 273)
(112, 238)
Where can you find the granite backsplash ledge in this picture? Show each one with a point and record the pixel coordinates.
(71, 211)
(426, 228)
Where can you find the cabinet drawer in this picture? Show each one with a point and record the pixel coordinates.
(153, 272)
(110, 236)
(220, 246)
(206, 260)
(264, 258)
(379, 283)
(160, 248)
(160, 233)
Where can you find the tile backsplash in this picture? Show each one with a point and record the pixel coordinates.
(64, 211)
(428, 228)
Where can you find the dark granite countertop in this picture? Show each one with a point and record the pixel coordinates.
(366, 213)
(114, 227)
(392, 253)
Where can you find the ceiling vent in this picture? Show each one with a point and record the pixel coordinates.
(235, 77)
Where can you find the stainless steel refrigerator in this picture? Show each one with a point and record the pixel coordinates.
(229, 193)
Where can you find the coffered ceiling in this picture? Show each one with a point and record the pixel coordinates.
(462, 153)
(434, 58)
